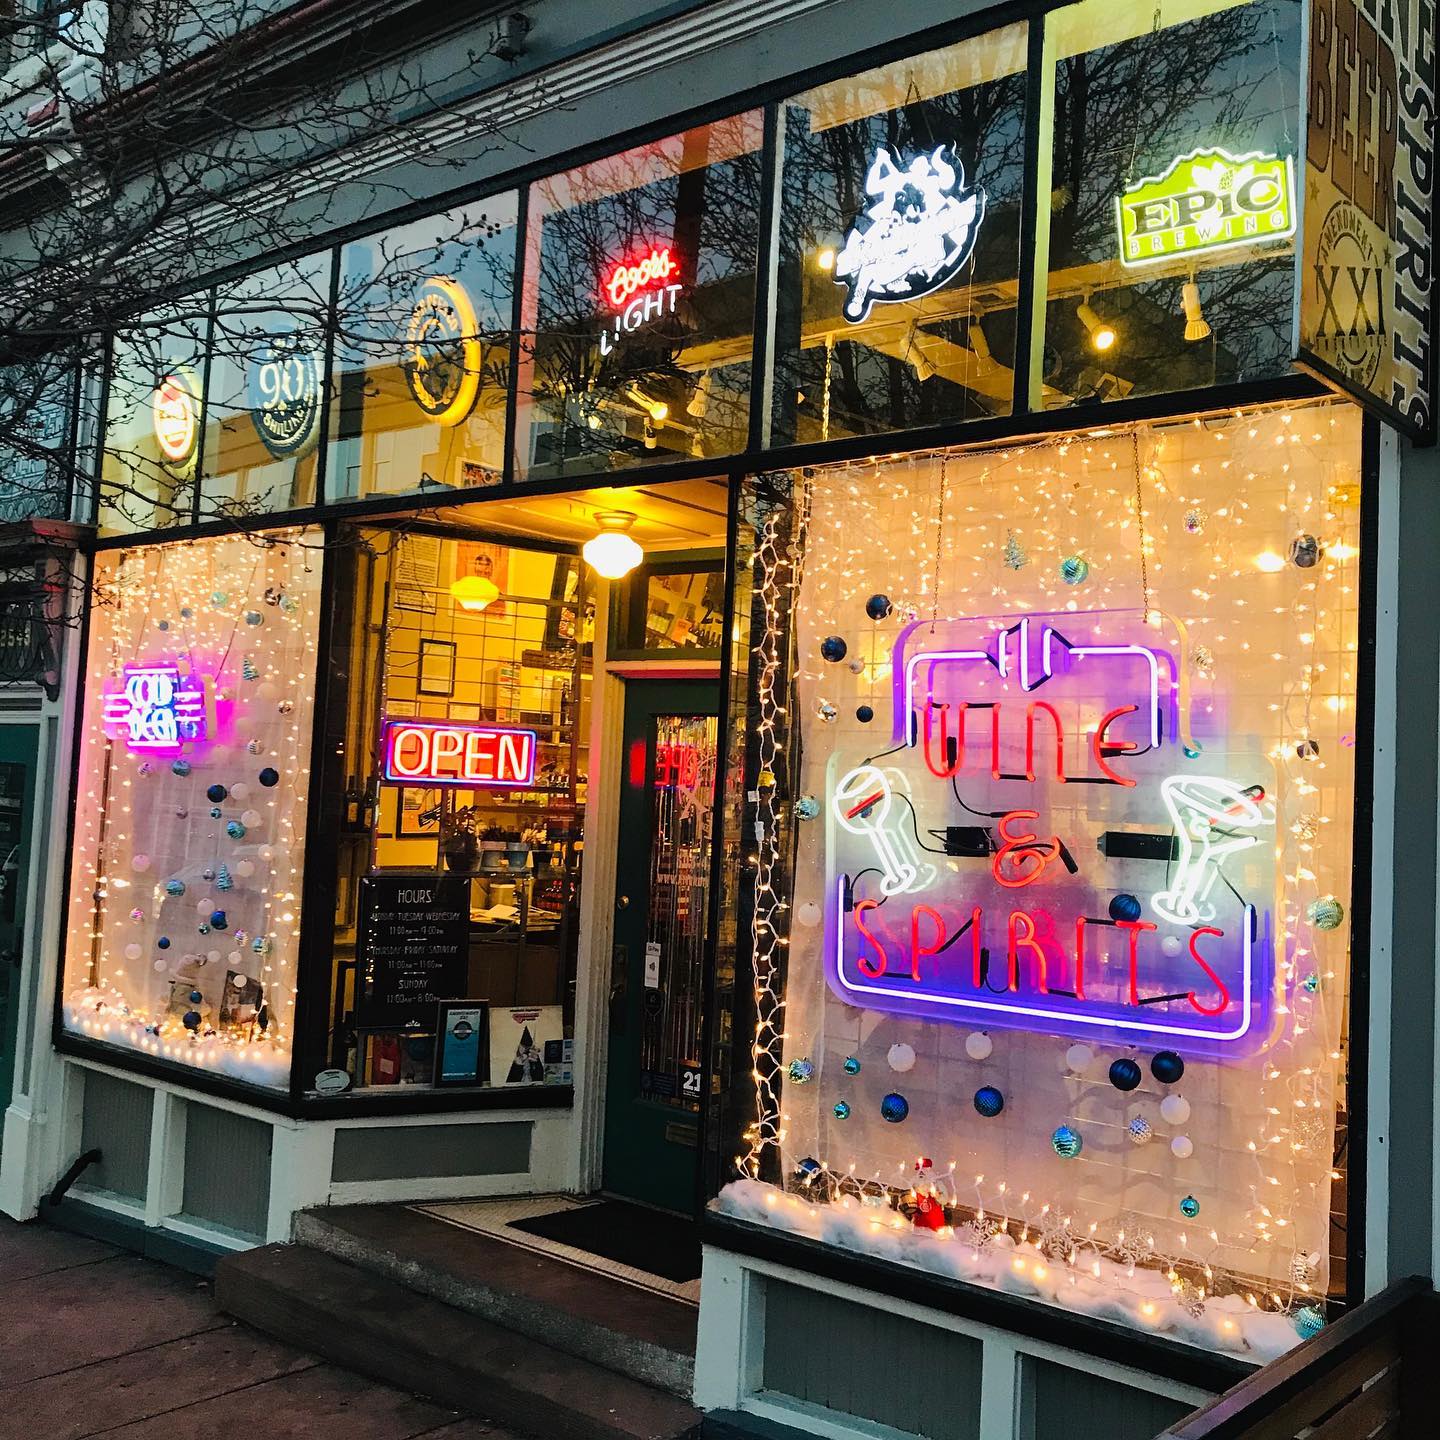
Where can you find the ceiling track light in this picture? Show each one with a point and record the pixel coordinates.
(612, 553)
(1102, 333)
(1197, 327)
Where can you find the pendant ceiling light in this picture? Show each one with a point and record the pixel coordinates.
(1197, 327)
(612, 553)
(474, 592)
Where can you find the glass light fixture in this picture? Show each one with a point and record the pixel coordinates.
(612, 553)
(474, 592)
(1102, 333)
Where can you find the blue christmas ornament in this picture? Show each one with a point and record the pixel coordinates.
(1074, 569)
(163, 942)
(191, 1019)
(186, 612)
(196, 997)
(254, 617)
(1125, 907)
(269, 777)
(218, 920)
(1167, 1067)
(215, 812)
(1311, 982)
(877, 607)
(162, 624)
(174, 887)
(807, 807)
(180, 768)
(223, 879)
(235, 830)
(261, 945)
(852, 1064)
(808, 1170)
(216, 793)
(833, 648)
(1189, 1207)
(219, 597)
(864, 714)
(801, 1071)
(1192, 751)
(894, 1108)
(1066, 1142)
(1125, 1074)
(842, 1110)
(989, 1102)
(1308, 1321)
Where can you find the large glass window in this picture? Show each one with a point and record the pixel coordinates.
(1173, 191)
(189, 838)
(899, 244)
(154, 420)
(464, 752)
(265, 396)
(639, 305)
(37, 412)
(1047, 817)
(422, 355)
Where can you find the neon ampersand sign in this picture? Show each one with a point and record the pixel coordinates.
(1018, 743)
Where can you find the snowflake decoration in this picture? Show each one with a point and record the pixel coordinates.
(1135, 1240)
(1057, 1239)
(1190, 1298)
(977, 1234)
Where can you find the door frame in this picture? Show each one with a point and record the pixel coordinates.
(597, 889)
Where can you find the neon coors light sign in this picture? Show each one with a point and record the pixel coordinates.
(1047, 848)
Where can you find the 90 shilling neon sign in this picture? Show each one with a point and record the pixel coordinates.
(1035, 848)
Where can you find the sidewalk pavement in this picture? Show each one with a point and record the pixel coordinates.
(95, 1341)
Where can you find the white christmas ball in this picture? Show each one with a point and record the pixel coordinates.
(808, 913)
(246, 868)
(239, 981)
(250, 819)
(1079, 1058)
(267, 690)
(978, 1045)
(239, 790)
(213, 957)
(1172, 945)
(205, 906)
(161, 966)
(1182, 1147)
(1175, 1109)
(133, 952)
(140, 864)
(233, 959)
(901, 1057)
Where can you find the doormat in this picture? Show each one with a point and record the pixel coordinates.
(666, 1245)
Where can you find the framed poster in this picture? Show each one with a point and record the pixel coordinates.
(462, 1046)
(417, 813)
(518, 1037)
(436, 671)
(487, 561)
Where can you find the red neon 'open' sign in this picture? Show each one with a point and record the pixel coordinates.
(624, 280)
(432, 752)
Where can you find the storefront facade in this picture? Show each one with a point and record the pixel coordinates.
(828, 665)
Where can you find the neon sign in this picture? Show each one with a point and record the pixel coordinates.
(643, 292)
(915, 235)
(1038, 851)
(1206, 200)
(157, 708)
(432, 752)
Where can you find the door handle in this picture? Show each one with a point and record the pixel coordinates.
(619, 988)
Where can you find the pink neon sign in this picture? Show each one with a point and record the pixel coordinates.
(157, 708)
(1037, 848)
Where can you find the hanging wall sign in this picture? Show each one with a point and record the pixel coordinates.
(1048, 847)
(916, 233)
(283, 385)
(175, 420)
(1206, 201)
(1365, 307)
(640, 290)
(442, 351)
(431, 752)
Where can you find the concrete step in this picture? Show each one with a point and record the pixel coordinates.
(647, 1336)
(383, 1329)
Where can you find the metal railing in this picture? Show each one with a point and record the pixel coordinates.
(1373, 1375)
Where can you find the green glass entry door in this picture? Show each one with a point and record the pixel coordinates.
(662, 904)
(18, 745)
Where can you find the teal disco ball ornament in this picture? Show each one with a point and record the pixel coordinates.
(1074, 570)
(1309, 1321)
(1066, 1142)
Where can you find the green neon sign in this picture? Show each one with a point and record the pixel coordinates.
(1205, 201)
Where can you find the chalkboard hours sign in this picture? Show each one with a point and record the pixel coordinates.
(415, 937)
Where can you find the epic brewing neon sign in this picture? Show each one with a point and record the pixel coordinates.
(157, 708)
(1035, 850)
(431, 752)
